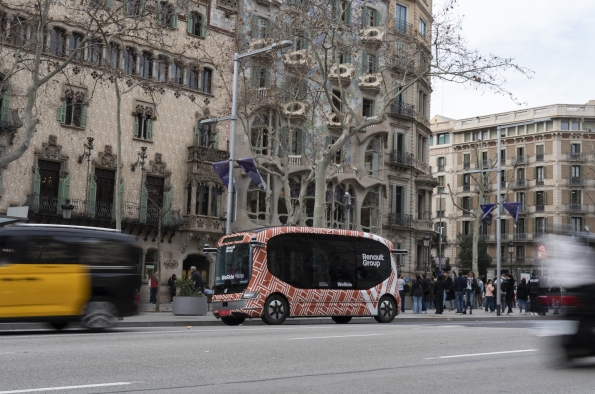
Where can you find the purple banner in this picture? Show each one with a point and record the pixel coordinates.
(222, 170)
(487, 208)
(249, 166)
(513, 209)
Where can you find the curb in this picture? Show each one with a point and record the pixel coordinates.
(290, 321)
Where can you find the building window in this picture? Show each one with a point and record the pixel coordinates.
(575, 197)
(74, 45)
(260, 77)
(441, 184)
(344, 58)
(520, 253)
(540, 225)
(369, 212)
(114, 54)
(370, 17)
(423, 103)
(18, 32)
(167, 15)
(202, 200)
(337, 100)
(177, 73)
(162, 69)
(143, 127)
(201, 134)
(206, 80)
(256, 207)
(94, 51)
(261, 27)
(442, 139)
(336, 212)
(155, 189)
(146, 65)
(73, 111)
(259, 133)
(294, 192)
(197, 24)
(576, 224)
(575, 171)
(134, 7)
(57, 42)
(466, 227)
(342, 11)
(539, 153)
(441, 163)
(369, 63)
(129, 61)
(372, 157)
(423, 27)
(401, 18)
(466, 204)
(367, 108)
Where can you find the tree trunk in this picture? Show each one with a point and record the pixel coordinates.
(158, 269)
(320, 191)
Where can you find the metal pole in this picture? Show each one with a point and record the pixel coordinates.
(232, 145)
(498, 224)
(440, 235)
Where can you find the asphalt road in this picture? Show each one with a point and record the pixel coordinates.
(357, 358)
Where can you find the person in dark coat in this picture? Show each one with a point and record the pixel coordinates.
(509, 292)
(522, 293)
(429, 295)
(197, 278)
(460, 284)
(171, 283)
(534, 289)
(439, 294)
(418, 294)
(450, 292)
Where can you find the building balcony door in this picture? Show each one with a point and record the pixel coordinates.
(104, 199)
(49, 172)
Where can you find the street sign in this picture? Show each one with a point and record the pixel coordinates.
(541, 252)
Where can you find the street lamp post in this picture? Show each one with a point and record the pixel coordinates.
(140, 162)
(427, 246)
(510, 252)
(234, 119)
(88, 147)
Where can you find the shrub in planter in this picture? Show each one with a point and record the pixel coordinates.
(189, 301)
(187, 289)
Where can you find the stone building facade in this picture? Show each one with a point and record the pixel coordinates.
(547, 161)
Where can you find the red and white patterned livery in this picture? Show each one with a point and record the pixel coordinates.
(281, 272)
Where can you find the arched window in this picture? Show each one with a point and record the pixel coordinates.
(256, 204)
(129, 61)
(282, 210)
(259, 132)
(202, 200)
(336, 212)
(177, 73)
(369, 212)
(146, 65)
(192, 78)
(57, 41)
(162, 70)
(201, 134)
(197, 24)
(206, 80)
(372, 157)
(215, 201)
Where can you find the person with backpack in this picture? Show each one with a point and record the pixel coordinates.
(533, 293)
(401, 287)
(459, 285)
(439, 294)
(449, 292)
(418, 294)
(522, 293)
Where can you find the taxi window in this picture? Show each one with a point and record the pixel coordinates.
(45, 249)
(108, 252)
(10, 248)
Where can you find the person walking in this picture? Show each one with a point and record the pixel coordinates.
(196, 278)
(554, 294)
(470, 290)
(533, 292)
(489, 289)
(172, 287)
(479, 296)
(429, 296)
(522, 293)
(154, 285)
(503, 287)
(418, 294)
(509, 292)
(459, 285)
(401, 287)
(425, 287)
(439, 294)
(449, 292)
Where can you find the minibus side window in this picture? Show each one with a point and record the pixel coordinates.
(373, 264)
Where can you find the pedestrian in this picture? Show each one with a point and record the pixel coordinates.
(429, 296)
(522, 292)
(533, 292)
(401, 287)
(489, 288)
(459, 285)
(172, 287)
(470, 290)
(554, 295)
(502, 292)
(479, 297)
(154, 285)
(418, 294)
(196, 278)
(425, 287)
(439, 294)
(449, 291)
(509, 292)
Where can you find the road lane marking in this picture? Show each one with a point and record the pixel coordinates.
(481, 354)
(8, 353)
(84, 386)
(336, 336)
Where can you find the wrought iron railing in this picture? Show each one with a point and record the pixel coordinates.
(576, 156)
(522, 159)
(400, 219)
(400, 157)
(403, 27)
(402, 109)
(577, 207)
(576, 181)
(10, 121)
(539, 157)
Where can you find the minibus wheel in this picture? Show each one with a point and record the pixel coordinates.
(99, 314)
(387, 310)
(275, 310)
(233, 321)
(341, 319)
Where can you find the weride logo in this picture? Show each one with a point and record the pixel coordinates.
(344, 284)
(372, 260)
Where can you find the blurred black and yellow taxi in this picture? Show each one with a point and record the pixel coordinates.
(64, 274)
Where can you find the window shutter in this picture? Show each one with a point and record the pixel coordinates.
(61, 115)
(375, 165)
(136, 127)
(393, 199)
(365, 16)
(378, 18)
(216, 141)
(365, 62)
(348, 14)
(63, 192)
(1, 185)
(303, 90)
(335, 9)
(283, 140)
(404, 199)
(544, 198)
(254, 27)
(149, 131)
(269, 29)
(535, 173)
(300, 141)
(84, 116)
(108, 4)
(121, 199)
(267, 78)
(126, 7)
(376, 67)
(303, 43)
(190, 23)
(203, 26)
(5, 115)
(174, 19)
(92, 196)
(142, 7)
(144, 194)
(196, 134)
(36, 189)
(167, 205)
(291, 2)
(544, 176)
(255, 77)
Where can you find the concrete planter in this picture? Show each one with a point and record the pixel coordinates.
(190, 306)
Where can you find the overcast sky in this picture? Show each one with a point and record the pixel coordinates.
(556, 39)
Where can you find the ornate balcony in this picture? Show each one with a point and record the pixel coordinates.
(298, 60)
(342, 74)
(332, 120)
(372, 35)
(10, 122)
(519, 184)
(576, 181)
(401, 158)
(583, 208)
(516, 160)
(402, 27)
(399, 108)
(576, 156)
(400, 219)
(486, 187)
(370, 82)
(296, 109)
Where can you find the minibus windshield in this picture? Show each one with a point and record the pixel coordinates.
(232, 268)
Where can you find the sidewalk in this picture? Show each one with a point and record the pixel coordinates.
(148, 318)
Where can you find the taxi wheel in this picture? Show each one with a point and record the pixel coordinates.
(233, 321)
(58, 325)
(341, 319)
(387, 310)
(276, 310)
(99, 314)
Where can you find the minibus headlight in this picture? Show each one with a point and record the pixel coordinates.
(250, 295)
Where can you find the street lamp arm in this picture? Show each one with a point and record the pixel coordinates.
(275, 46)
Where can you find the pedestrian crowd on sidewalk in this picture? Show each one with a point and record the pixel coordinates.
(466, 292)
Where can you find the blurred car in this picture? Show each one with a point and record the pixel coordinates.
(63, 274)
